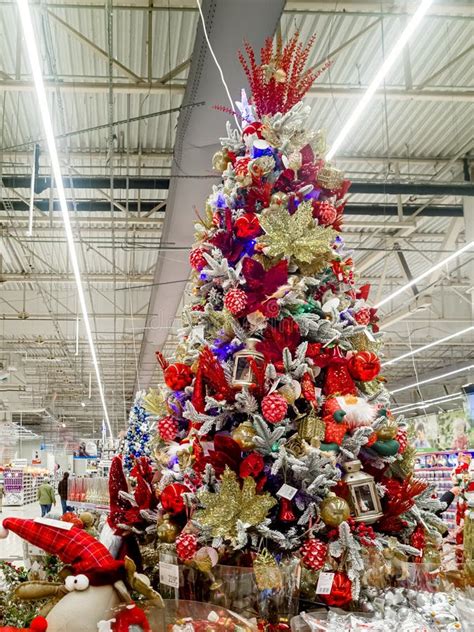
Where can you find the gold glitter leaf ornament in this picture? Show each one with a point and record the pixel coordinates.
(297, 236)
(223, 509)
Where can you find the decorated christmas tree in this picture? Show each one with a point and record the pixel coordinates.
(278, 441)
(136, 442)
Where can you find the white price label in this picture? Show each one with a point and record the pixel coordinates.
(58, 524)
(287, 491)
(169, 574)
(324, 583)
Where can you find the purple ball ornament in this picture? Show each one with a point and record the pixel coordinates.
(261, 148)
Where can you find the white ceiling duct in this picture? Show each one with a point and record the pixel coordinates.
(228, 23)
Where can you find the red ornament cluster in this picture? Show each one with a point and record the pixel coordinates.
(313, 554)
(274, 408)
(168, 428)
(235, 301)
(186, 546)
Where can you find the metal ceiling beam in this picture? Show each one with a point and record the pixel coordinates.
(13, 277)
(321, 92)
(389, 187)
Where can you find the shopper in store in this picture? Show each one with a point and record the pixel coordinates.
(46, 497)
(63, 491)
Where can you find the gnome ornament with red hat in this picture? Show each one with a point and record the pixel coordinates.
(97, 583)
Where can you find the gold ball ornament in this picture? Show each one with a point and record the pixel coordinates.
(220, 160)
(334, 510)
(167, 531)
(244, 435)
(388, 430)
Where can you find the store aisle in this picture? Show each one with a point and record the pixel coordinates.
(12, 547)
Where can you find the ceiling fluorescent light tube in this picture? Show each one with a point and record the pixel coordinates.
(433, 268)
(380, 76)
(433, 379)
(426, 401)
(32, 48)
(424, 405)
(428, 346)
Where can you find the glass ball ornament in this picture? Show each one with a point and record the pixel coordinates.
(388, 430)
(244, 435)
(334, 510)
(167, 531)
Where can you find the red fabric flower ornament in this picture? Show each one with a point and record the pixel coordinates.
(275, 339)
(252, 465)
(224, 239)
(261, 283)
(226, 452)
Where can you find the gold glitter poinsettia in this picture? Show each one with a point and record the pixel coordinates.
(155, 402)
(296, 236)
(223, 509)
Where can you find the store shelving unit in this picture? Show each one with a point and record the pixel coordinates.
(20, 487)
(436, 467)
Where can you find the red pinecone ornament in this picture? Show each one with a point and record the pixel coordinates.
(326, 213)
(235, 301)
(274, 407)
(313, 553)
(168, 428)
(186, 546)
(197, 259)
(363, 316)
(402, 439)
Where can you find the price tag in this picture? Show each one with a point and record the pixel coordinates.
(287, 491)
(169, 574)
(324, 583)
(58, 524)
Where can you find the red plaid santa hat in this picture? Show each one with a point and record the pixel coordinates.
(74, 546)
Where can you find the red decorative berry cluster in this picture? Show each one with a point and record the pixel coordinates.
(235, 301)
(186, 546)
(274, 408)
(313, 554)
(168, 428)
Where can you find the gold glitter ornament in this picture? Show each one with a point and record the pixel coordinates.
(329, 177)
(296, 236)
(388, 430)
(244, 435)
(223, 509)
(334, 510)
(267, 572)
(167, 531)
(279, 199)
(312, 428)
(262, 166)
(220, 160)
(296, 446)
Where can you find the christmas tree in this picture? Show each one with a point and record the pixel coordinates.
(136, 442)
(278, 438)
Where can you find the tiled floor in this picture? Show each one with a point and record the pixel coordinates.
(12, 547)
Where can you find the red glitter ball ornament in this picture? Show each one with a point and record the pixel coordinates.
(186, 546)
(326, 213)
(364, 366)
(247, 226)
(178, 376)
(274, 407)
(235, 301)
(402, 439)
(197, 259)
(168, 428)
(172, 500)
(341, 591)
(363, 316)
(313, 554)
